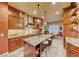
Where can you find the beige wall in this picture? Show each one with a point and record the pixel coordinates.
(60, 23)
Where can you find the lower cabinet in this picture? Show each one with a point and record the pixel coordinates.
(15, 43)
(72, 51)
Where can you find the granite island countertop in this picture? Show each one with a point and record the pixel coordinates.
(73, 41)
(34, 41)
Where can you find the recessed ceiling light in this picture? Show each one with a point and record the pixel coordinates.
(57, 12)
(53, 2)
(34, 12)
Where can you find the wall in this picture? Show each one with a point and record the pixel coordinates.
(3, 27)
(58, 22)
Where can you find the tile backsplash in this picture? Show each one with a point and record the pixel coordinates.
(26, 31)
(15, 32)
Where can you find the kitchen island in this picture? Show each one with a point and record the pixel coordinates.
(33, 45)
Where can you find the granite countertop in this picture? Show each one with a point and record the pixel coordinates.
(16, 35)
(73, 41)
(34, 41)
(19, 35)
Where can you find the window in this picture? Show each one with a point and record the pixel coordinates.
(53, 28)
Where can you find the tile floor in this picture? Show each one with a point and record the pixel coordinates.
(17, 53)
(55, 50)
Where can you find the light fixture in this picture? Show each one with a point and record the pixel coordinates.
(44, 14)
(53, 3)
(34, 12)
(38, 20)
(57, 12)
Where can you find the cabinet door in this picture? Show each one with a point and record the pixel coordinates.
(68, 31)
(12, 22)
(20, 23)
(15, 43)
(19, 43)
(12, 45)
(29, 51)
(72, 51)
(73, 54)
(66, 17)
(15, 21)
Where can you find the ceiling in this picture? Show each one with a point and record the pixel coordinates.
(30, 7)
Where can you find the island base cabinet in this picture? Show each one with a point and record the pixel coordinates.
(72, 51)
(29, 51)
(42, 47)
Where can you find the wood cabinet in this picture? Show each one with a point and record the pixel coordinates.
(68, 31)
(15, 43)
(15, 18)
(69, 12)
(72, 51)
(29, 51)
(69, 21)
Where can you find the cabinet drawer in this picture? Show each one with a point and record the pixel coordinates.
(72, 51)
(72, 47)
(73, 54)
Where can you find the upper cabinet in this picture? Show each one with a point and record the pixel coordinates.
(69, 13)
(71, 16)
(15, 18)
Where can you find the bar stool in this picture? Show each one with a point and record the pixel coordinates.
(47, 44)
